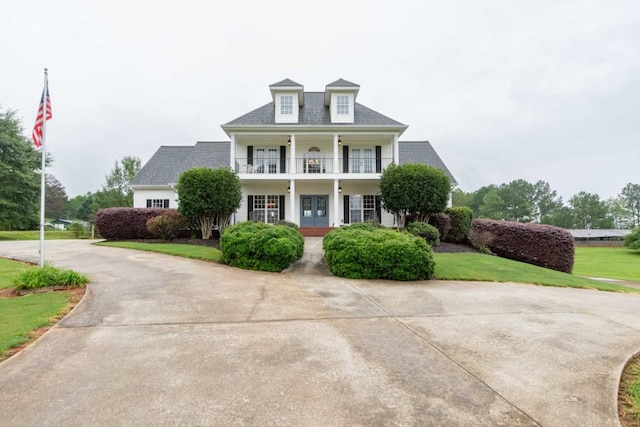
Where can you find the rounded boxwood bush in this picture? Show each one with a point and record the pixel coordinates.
(428, 232)
(258, 246)
(361, 251)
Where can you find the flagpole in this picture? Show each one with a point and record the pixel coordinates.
(42, 169)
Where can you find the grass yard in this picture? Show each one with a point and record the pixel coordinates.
(19, 316)
(478, 267)
(35, 235)
(205, 253)
(9, 270)
(610, 262)
(629, 393)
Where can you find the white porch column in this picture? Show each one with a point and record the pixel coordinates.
(336, 203)
(336, 154)
(292, 151)
(396, 150)
(292, 202)
(232, 152)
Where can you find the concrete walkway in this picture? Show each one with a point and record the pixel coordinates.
(160, 340)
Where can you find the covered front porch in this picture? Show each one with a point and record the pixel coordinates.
(312, 203)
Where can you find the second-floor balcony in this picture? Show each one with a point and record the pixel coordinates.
(314, 165)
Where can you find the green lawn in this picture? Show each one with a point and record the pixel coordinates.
(471, 266)
(21, 315)
(613, 263)
(179, 249)
(10, 269)
(35, 235)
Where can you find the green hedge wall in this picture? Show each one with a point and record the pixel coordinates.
(361, 251)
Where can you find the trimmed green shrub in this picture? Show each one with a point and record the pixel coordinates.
(48, 275)
(287, 223)
(361, 251)
(632, 241)
(442, 222)
(461, 218)
(543, 245)
(168, 225)
(258, 246)
(428, 232)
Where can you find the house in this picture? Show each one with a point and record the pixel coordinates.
(313, 158)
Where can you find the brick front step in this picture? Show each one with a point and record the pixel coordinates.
(314, 231)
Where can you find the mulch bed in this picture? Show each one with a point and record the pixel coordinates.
(446, 247)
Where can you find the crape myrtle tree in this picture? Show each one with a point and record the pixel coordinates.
(414, 189)
(209, 197)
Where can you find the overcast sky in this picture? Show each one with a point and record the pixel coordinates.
(540, 89)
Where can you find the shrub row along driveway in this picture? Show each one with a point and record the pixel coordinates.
(161, 340)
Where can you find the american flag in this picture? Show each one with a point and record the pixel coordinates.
(37, 129)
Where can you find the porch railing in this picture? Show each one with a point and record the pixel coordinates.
(318, 165)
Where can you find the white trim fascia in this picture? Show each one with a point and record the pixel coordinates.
(284, 129)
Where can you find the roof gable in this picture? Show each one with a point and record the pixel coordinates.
(313, 113)
(424, 153)
(167, 164)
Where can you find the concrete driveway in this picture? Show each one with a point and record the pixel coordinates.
(160, 340)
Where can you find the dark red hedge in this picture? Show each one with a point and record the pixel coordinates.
(537, 244)
(442, 222)
(126, 223)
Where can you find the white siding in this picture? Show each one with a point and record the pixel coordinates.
(341, 118)
(140, 197)
(288, 118)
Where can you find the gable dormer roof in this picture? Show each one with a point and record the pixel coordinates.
(287, 85)
(340, 85)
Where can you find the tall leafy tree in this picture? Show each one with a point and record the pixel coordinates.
(619, 214)
(518, 198)
(493, 206)
(209, 197)
(590, 212)
(460, 198)
(55, 198)
(115, 190)
(631, 199)
(545, 200)
(20, 165)
(562, 217)
(414, 189)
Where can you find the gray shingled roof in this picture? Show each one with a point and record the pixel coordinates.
(285, 82)
(313, 113)
(343, 83)
(166, 165)
(422, 152)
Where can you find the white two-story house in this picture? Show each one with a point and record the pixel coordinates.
(313, 158)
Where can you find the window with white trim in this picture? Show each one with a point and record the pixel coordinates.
(362, 208)
(266, 208)
(342, 104)
(286, 105)
(157, 203)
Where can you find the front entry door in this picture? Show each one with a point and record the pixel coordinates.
(314, 211)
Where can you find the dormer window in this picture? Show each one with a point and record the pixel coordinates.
(342, 104)
(286, 105)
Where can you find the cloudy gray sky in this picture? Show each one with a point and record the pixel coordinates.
(503, 89)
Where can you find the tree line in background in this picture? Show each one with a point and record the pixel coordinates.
(523, 201)
(20, 165)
